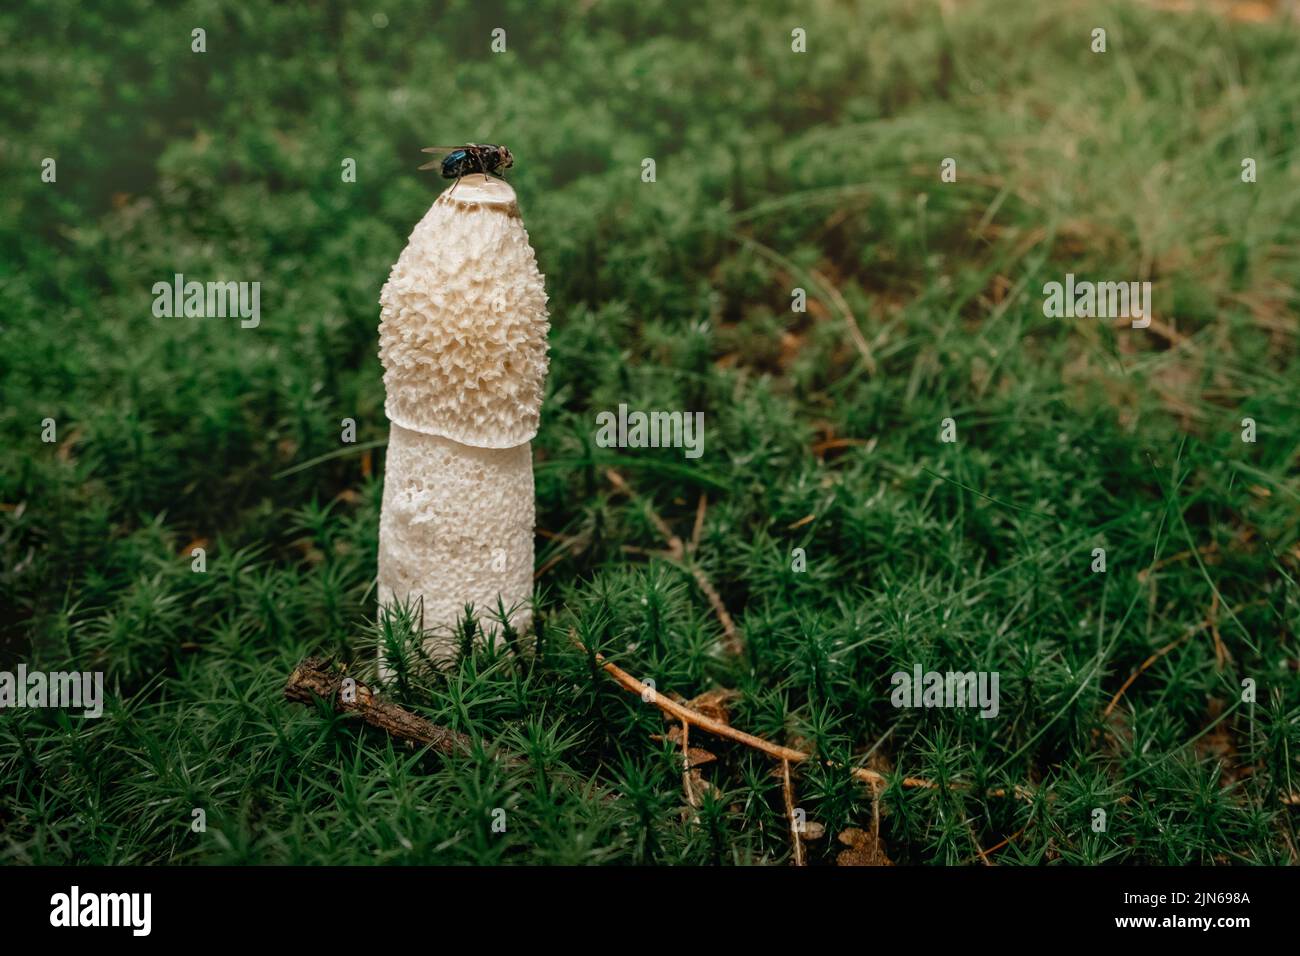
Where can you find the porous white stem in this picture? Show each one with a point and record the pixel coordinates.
(463, 342)
(456, 529)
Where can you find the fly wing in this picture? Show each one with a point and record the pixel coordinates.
(435, 163)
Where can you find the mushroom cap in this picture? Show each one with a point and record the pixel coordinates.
(463, 322)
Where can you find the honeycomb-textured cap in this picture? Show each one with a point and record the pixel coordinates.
(462, 331)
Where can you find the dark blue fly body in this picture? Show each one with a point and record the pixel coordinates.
(470, 158)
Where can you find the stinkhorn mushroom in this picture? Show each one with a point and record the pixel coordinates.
(462, 338)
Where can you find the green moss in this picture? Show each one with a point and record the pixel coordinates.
(774, 171)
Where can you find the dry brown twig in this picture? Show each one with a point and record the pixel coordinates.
(1145, 664)
(1221, 654)
(1205, 551)
(850, 320)
(315, 678)
(787, 790)
(679, 554)
(685, 714)
(675, 547)
(701, 507)
(875, 811)
(828, 290)
(730, 633)
(687, 785)
(551, 562)
(985, 854)
(569, 545)
(1210, 620)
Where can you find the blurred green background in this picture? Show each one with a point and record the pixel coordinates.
(775, 170)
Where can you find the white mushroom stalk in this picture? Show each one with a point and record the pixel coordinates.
(462, 338)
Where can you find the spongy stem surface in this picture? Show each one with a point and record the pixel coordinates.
(456, 528)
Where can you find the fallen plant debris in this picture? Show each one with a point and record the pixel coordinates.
(681, 555)
(792, 816)
(315, 678)
(864, 849)
(717, 727)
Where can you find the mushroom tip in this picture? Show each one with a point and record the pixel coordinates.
(478, 188)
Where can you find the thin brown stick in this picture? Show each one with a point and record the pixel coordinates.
(1205, 622)
(850, 320)
(675, 547)
(314, 678)
(718, 729)
(696, 719)
(1205, 550)
(830, 444)
(1145, 664)
(875, 814)
(787, 790)
(730, 633)
(700, 508)
(985, 854)
(568, 546)
(1221, 654)
(678, 553)
(551, 562)
(686, 765)
(1166, 332)
(828, 290)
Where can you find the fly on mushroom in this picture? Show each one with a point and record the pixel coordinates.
(470, 158)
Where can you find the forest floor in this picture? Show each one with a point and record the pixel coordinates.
(1147, 713)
